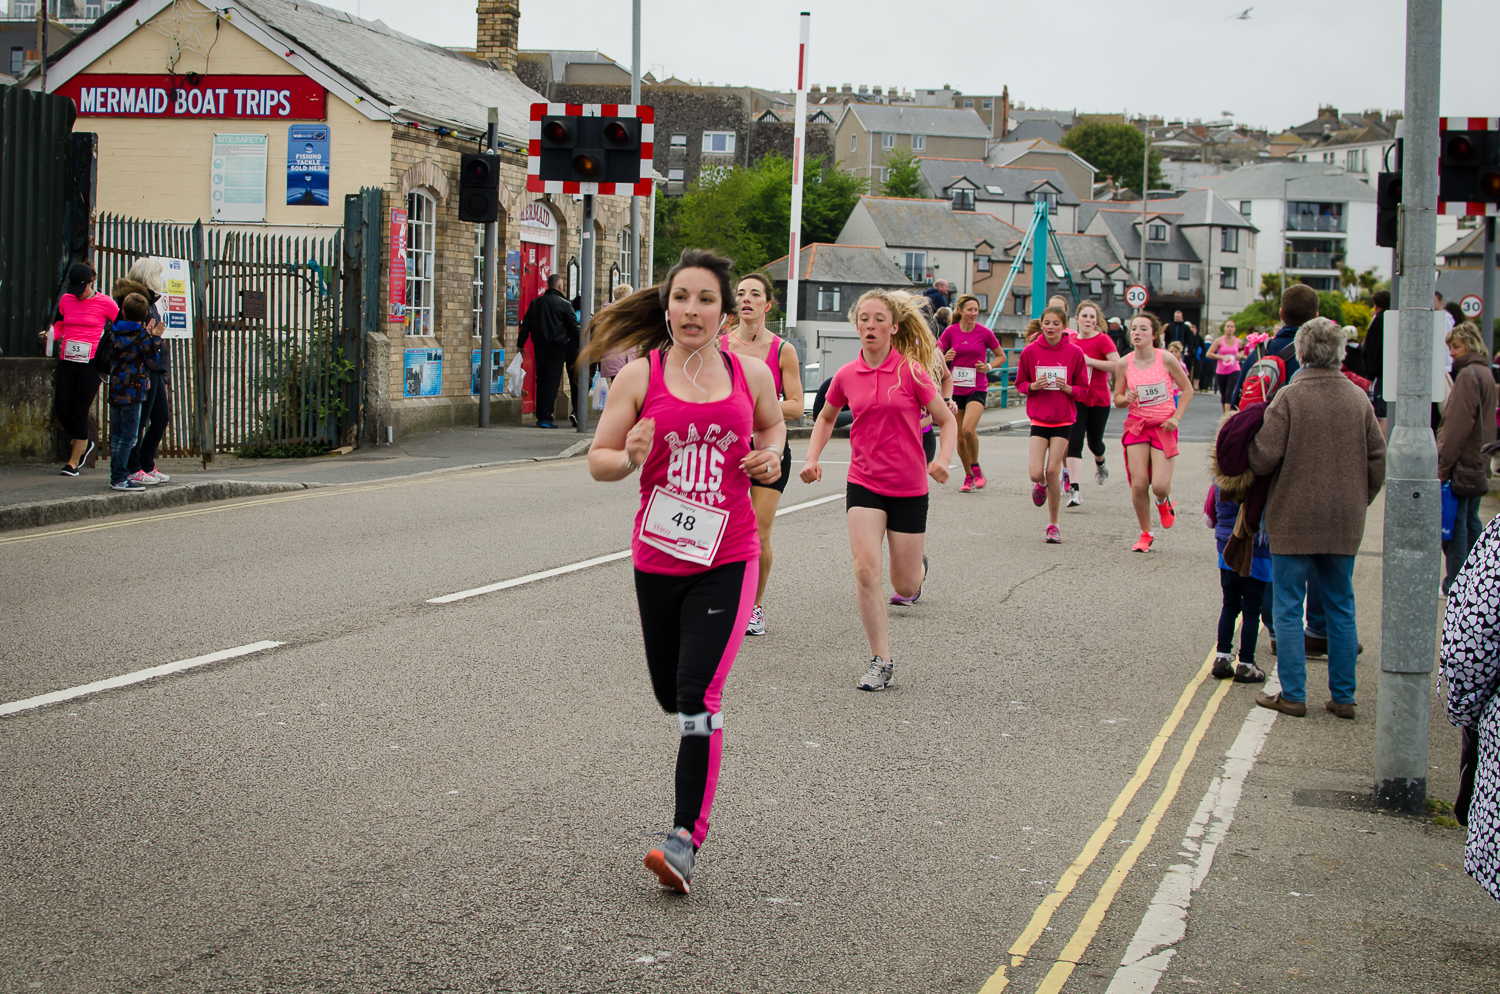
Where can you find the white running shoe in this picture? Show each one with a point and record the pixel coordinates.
(1101, 473)
(143, 478)
(880, 675)
(757, 623)
(160, 476)
(1073, 499)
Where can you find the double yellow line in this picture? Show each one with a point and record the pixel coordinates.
(1078, 944)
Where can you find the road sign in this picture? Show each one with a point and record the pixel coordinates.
(1136, 296)
(1471, 305)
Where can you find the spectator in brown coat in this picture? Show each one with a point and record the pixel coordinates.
(1325, 454)
(1468, 425)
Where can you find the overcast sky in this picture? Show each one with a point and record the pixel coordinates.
(1180, 58)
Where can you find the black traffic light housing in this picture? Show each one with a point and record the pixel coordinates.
(1469, 170)
(1387, 209)
(479, 188)
(590, 149)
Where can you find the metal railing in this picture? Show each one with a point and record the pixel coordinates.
(1315, 222)
(1314, 260)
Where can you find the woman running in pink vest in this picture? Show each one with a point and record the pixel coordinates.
(1144, 383)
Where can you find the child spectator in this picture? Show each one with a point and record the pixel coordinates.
(1243, 595)
(129, 383)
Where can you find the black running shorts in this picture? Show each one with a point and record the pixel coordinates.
(786, 473)
(902, 514)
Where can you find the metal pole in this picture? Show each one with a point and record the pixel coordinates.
(1039, 258)
(1487, 317)
(634, 278)
(585, 313)
(651, 242)
(1286, 220)
(487, 294)
(1413, 505)
(794, 245)
(1145, 185)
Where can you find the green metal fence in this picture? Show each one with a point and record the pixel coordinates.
(268, 363)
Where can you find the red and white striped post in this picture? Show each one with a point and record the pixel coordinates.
(799, 146)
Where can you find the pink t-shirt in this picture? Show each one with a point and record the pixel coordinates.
(696, 455)
(885, 440)
(1052, 408)
(970, 348)
(1097, 393)
(83, 320)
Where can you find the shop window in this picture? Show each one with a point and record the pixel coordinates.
(421, 241)
(718, 142)
(627, 264)
(828, 298)
(573, 278)
(1229, 240)
(477, 305)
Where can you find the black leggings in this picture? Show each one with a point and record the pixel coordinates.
(158, 409)
(1226, 387)
(77, 386)
(693, 626)
(1243, 595)
(1090, 422)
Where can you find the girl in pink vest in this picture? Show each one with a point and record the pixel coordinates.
(1144, 383)
(700, 425)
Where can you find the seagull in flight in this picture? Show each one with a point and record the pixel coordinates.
(1243, 15)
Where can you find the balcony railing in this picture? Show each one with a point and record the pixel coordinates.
(1315, 222)
(1314, 260)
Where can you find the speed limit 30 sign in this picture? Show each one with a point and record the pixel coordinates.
(1471, 306)
(1136, 296)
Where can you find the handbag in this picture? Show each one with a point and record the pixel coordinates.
(1470, 481)
(1450, 511)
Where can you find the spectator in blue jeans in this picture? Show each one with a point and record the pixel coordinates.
(129, 383)
(1325, 454)
(1468, 425)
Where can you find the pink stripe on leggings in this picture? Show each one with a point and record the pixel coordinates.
(714, 694)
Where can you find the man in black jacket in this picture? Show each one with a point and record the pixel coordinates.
(1373, 352)
(552, 327)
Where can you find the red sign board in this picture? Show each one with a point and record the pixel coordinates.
(276, 98)
(396, 279)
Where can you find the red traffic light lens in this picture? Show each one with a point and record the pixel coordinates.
(477, 170)
(616, 133)
(555, 131)
(586, 166)
(1460, 148)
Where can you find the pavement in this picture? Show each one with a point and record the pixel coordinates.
(388, 789)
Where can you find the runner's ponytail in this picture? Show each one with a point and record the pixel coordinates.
(640, 320)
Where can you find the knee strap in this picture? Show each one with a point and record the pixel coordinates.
(704, 723)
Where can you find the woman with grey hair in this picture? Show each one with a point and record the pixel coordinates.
(1468, 425)
(147, 277)
(1324, 452)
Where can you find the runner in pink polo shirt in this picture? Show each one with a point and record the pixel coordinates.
(1051, 371)
(887, 387)
(700, 425)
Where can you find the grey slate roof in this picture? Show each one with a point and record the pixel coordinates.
(425, 80)
(1015, 182)
(1062, 117)
(987, 227)
(1470, 243)
(1199, 208)
(866, 265)
(906, 119)
(1263, 181)
(1044, 128)
(1122, 224)
(918, 224)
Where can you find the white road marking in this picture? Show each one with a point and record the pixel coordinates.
(1165, 923)
(546, 574)
(139, 676)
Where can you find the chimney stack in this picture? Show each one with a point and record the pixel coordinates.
(500, 33)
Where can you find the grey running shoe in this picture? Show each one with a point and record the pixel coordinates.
(880, 676)
(672, 861)
(1101, 473)
(757, 622)
(1248, 673)
(1223, 666)
(1074, 500)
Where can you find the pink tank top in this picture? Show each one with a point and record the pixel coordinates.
(695, 457)
(773, 359)
(1154, 404)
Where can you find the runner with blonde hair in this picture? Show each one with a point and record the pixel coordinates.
(967, 345)
(887, 387)
(1093, 399)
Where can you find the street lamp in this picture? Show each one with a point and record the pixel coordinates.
(1286, 215)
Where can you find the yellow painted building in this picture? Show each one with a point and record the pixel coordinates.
(187, 99)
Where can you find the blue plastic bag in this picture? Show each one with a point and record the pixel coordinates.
(1450, 511)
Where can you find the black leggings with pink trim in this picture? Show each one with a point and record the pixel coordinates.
(693, 626)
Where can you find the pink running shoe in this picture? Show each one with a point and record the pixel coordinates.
(968, 486)
(979, 480)
(1039, 494)
(1168, 512)
(1054, 537)
(1142, 544)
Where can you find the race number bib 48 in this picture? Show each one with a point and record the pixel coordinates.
(963, 376)
(1151, 394)
(1052, 376)
(75, 350)
(683, 528)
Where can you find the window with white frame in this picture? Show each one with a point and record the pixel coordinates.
(718, 142)
(887, 141)
(915, 266)
(885, 175)
(679, 141)
(93, 10)
(982, 263)
(1156, 232)
(988, 105)
(919, 143)
(573, 279)
(963, 200)
(17, 59)
(1096, 288)
(854, 142)
(1049, 196)
(1023, 304)
(627, 261)
(984, 301)
(421, 241)
(1184, 272)
(1245, 206)
(1229, 240)
(674, 175)
(970, 104)
(22, 10)
(1229, 278)
(1117, 288)
(477, 304)
(828, 298)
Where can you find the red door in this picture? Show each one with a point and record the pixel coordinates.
(536, 266)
